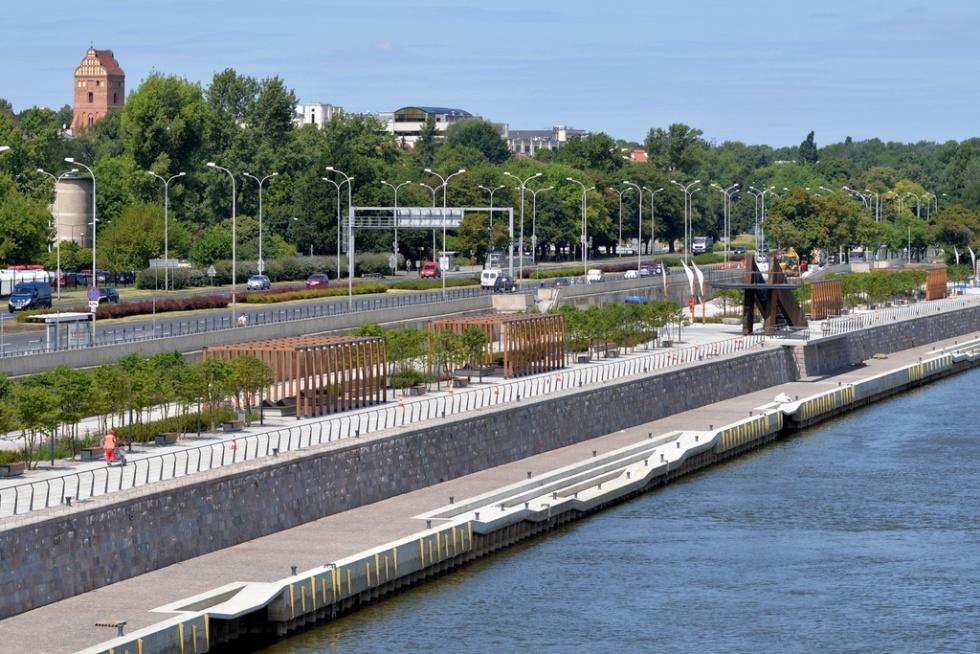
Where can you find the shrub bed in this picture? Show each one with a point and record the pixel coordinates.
(429, 284)
(312, 293)
(143, 307)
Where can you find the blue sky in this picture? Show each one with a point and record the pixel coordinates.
(761, 72)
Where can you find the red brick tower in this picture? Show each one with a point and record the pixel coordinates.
(100, 87)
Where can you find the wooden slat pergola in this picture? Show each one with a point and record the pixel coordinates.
(530, 343)
(322, 374)
(936, 284)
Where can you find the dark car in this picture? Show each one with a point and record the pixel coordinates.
(30, 295)
(124, 277)
(317, 280)
(648, 269)
(504, 284)
(561, 281)
(740, 249)
(108, 295)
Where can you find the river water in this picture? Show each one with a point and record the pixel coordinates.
(859, 535)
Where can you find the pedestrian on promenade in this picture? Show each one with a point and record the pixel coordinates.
(243, 320)
(109, 447)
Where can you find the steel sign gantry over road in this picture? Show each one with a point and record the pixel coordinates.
(385, 218)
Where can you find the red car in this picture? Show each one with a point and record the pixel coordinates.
(317, 280)
(430, 270)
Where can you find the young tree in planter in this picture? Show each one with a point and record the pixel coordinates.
(73, 396)
(109, 394)
(187, 383)
(249, 375)
(367, 329)
(165, 368)
(473, 341)
(216, 376)
(37, 414)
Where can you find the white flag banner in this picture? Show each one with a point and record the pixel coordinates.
(690, 276)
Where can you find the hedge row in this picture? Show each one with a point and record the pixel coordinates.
(431, 284)
(312, 293)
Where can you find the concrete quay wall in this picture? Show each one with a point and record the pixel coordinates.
(826, 355)
(70, 551)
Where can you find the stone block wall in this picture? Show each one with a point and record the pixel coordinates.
(71, 551)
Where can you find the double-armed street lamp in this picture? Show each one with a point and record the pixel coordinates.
(760, 217)
(689, 192)
(350, 235)
(234, 236)
(57, 241)
(445, 191)
(653, 218)
(585, 222)
(491, 191)
(522, 185)
(395, 188)
(639, 222)
(337, 186)
(166, 222)
(95, 220)
(260, 180)
(534, 221)
(726, 212)
(620, 194)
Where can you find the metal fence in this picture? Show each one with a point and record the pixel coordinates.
(31, 496)
(843, 324)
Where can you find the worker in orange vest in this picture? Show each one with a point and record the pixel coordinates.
(109, 447)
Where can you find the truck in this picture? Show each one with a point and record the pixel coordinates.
(702, 244)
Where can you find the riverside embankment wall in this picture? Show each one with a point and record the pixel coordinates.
(70, 551)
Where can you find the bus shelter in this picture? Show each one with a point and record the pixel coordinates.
(528, 343)
(318, 374)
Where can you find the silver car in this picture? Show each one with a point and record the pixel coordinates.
(258, 283)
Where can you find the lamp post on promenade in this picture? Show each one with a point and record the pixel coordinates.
(166, 221)
(337, 186)
(261, 180)
(234, 236)
(585, 223)
(653, 218)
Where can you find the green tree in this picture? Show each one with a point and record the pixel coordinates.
(36, 410)
(23, 226)
(808, 151)
(217, 382)
(473, 342)
(427, 143)
(73, 397)
(136, 236)
(163, 123)
(677, 148)
(481, 135)
(249, 375)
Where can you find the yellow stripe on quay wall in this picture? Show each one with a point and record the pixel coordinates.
(292, 600)
(194, 637)
(139, 646)
(394, 556)
(207, 631)
(180, 637)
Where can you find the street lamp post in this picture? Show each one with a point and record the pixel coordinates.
(534, 222)
(726, 212)
(688, 201)
(234, 236)
(166, 222)
(639, 223)
(260, 180)
(395, 215)
(337, 186)
(620, 194)
(57, 241)
(585, 224)
(653, 219)
(761, 220)
(432, 190)
(95, 221)
(445, 192)
(350, 236)
(522, 186)
(491, 191)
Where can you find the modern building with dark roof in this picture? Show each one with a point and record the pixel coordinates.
(100, 87)
(406, 123)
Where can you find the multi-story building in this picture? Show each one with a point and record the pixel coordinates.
(528, 142)
(316, 113)
(100, 87)
(406, 123)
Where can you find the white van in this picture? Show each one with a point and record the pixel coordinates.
(489, 277)
(593, 275)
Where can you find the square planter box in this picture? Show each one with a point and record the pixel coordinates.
(414, 391)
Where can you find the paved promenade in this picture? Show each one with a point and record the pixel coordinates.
(328, 539)
(148, 464)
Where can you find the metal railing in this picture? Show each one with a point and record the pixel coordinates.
(836, 325)
(36, 495)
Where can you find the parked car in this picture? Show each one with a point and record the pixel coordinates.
(558, 282)
(430, 270)
(317, 280)
(632, 274)
(258, 283)
(647, 269)
(594, 275)
(108, 295)
(740, 249)
(504, 283)
(124, 277)
(30, 295)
